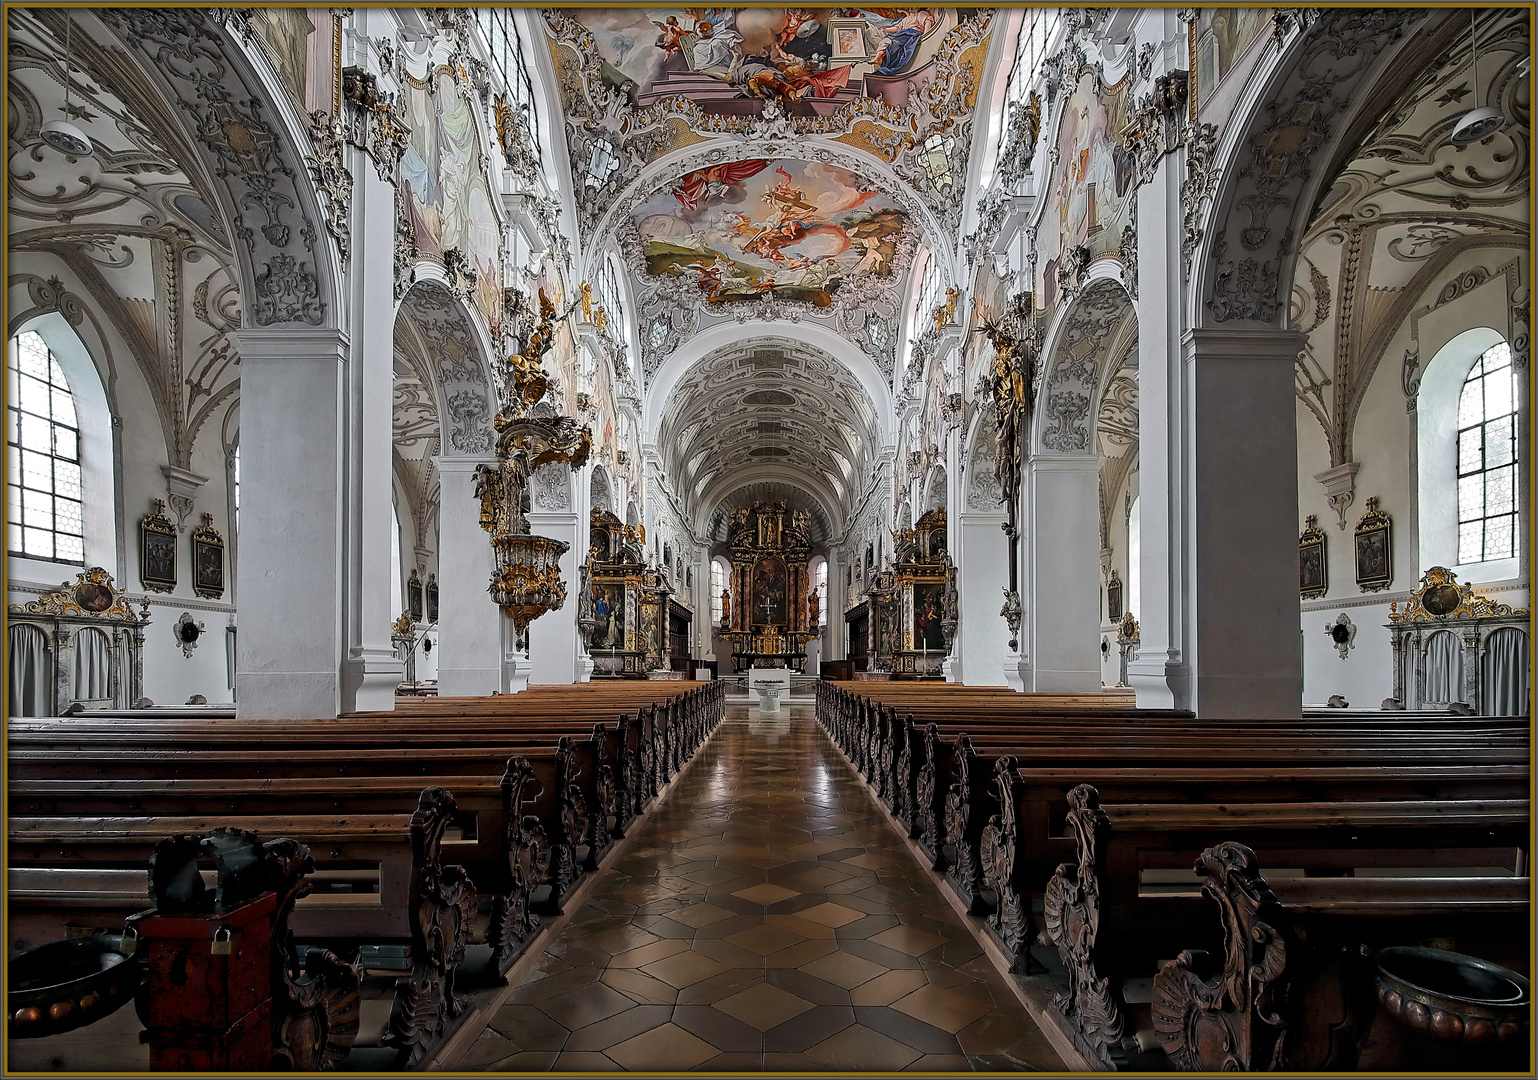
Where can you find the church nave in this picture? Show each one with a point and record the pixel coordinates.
(766, 916)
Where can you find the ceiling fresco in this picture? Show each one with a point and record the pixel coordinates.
(898, 84)
(728, 61)
(794, 230)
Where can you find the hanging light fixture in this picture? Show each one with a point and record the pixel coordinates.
(62, 135)
(1484, 120)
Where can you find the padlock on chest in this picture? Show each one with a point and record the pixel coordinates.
(207, 955)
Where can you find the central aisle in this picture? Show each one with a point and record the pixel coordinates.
(766, 917)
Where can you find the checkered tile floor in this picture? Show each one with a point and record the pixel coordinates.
(767, 917)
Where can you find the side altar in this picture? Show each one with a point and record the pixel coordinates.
(913, 605)
(769, 610)
(627, 600)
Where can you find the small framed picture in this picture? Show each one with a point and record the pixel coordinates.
(157, 550)
(1313, 575)
(432, 598)
(1374, 549)
(1113, 598)
(847, 36)
(414, 595)
(208, 560)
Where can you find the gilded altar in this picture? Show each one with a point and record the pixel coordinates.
(771, 613)
(626, 601)
(913, 605)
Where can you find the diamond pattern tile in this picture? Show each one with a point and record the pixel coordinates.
(676, 963)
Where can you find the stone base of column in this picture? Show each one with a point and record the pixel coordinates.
(584, 668)
(1017, 672)
(286, 695)
(1247, 697)
(950, 667)
(1160, 683)
(468, 682)
(1051, 681)
(369, 679)
(515, 671)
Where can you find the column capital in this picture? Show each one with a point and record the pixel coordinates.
(461, 463)
(1261, 344)
(290, 343)
(1050, 462)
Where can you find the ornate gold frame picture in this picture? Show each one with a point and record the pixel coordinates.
(157, 549)
(1374, 549)
(207, 560)
(1313, 569)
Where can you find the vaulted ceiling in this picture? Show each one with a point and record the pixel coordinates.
(769, 166)
(1406, 202)
(769, 410)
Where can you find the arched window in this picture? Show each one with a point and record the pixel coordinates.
(720, 574)
(46, 512)
(1487, 459)
(820, 586)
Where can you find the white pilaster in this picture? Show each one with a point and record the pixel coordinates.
(1160, 671)
(469, 622)
(290, 645)
(371, 669)
(1062, 617)
(1243, 557)
(982, 575)
(553, 646)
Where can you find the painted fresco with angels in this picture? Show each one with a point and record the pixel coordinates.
(795, 230)
(811, 61)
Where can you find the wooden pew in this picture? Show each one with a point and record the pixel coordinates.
(1106, 927)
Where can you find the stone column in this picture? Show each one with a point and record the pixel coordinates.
(290, 647)
(982, 573)
(553, 644)
(371, 667)
(1061, 624)
(1242, 562)
(1160, 673)
(469, 623)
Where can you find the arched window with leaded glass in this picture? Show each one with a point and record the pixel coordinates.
(45, 511)
(1487, 459)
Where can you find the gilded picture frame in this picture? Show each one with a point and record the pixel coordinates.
(1374, 549)
(1313, 566)
(157, 550)
(208, 560)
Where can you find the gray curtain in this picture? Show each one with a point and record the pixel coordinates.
(31, 674)
(1444, 668)
(1503, 673)
(93, 665)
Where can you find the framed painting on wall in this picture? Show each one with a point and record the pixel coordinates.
(1313, 575)
(207, 560)
(1374, 549)
(157, 549)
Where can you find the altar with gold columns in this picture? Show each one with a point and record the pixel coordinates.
(770, 615)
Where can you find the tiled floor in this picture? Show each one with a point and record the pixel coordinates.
(767, 917)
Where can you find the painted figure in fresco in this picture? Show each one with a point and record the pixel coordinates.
(701, 185)
(904, 34)
(668, 40)
(717, 46)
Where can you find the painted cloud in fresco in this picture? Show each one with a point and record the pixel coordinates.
(731, 60)
(791, 229)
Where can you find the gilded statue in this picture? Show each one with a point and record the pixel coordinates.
(726, 607)
(589, 305)
(811, 609)
(528, 378)
(1011, 390)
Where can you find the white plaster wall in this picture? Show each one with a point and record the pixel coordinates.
(1386, 445)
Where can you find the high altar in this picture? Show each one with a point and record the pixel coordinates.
(770, 615)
